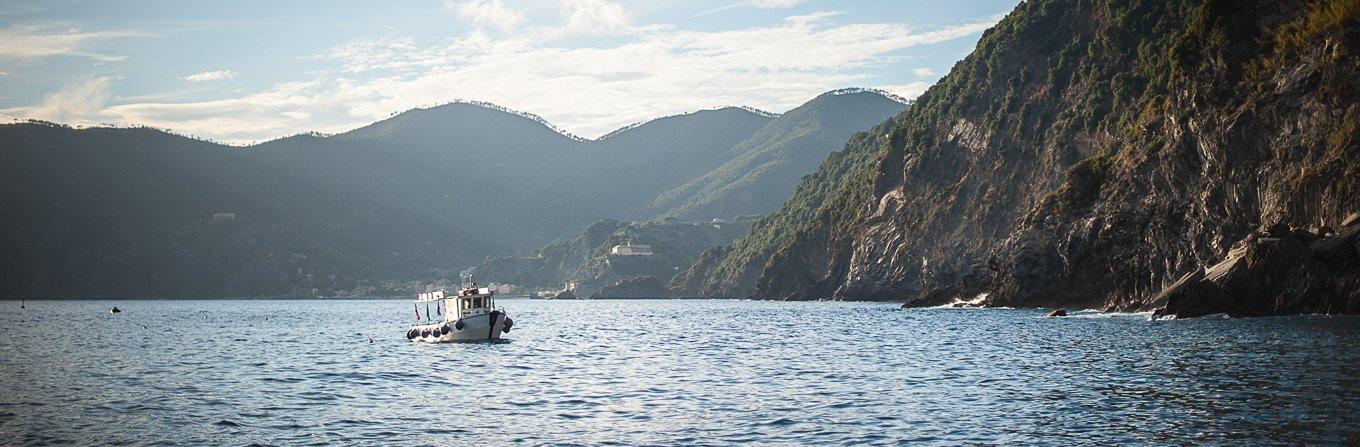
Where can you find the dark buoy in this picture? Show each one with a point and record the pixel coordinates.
(114, 310)
(458, 325)
(411, 334)
(444, 329)
(508, 324)
(1058, 313)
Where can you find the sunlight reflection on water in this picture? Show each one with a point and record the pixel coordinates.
(667, 372)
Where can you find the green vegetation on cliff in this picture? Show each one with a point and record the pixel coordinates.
(732, 271)
(1087, 153)
(769, 164)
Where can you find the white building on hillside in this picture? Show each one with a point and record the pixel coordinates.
(631, 250)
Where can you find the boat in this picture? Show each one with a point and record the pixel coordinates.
(470, 315)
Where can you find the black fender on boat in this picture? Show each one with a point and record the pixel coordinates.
(508, 324)
(424, 332)
(491, 323)
(458, 324)
(411, 334)
(444, 330)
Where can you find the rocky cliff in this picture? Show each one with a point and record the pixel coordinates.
(1093, 154)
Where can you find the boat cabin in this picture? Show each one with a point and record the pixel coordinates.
(475, 301)
(470, 301)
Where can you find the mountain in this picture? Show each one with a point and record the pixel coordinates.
(760, 170)
(137, 212)
(763, 169)
(629, 167)
(1190, 156)
(732, 271)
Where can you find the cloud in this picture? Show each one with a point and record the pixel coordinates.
(922, 72)
(215, 75)
(80, 101)
(908, 91)
(762, 4)
(490, 12)
(285, 109)
(31, 41)
(593, 16)
(775, 4)
(814, 17)
(638, 74)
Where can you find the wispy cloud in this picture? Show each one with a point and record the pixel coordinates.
(78, 102)
(31, 41)
(909, 90)
(772, 4)
(762, 4)
(214, 75)
(814, 17)
(641, 72)
(485, 12)
(922, 72)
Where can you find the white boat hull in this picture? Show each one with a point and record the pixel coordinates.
(475, 328)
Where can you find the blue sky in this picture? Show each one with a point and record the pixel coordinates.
(245, 71)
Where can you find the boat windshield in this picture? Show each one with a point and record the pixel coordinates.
(469, 303)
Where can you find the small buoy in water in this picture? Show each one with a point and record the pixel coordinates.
(114, 310)
(1058, 313)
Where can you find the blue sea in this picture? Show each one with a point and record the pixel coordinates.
(667, 372)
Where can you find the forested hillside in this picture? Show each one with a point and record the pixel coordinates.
(136, 212)
(1093, 153)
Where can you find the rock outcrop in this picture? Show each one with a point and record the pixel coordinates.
(1090, 154)
(636, 287)
(1278, 270)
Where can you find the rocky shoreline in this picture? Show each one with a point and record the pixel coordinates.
(1276, 270)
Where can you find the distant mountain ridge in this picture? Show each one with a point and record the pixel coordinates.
(762, 170)
(138, 212)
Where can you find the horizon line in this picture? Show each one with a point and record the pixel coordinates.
(478, 103)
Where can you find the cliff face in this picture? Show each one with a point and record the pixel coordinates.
(730, 272)
(1092, 154)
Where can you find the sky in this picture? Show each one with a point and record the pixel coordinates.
(248, 71)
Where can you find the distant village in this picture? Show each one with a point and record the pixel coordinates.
(623, 262)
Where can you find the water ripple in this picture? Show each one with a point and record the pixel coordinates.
(670, 372)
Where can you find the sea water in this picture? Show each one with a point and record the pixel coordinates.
(317, 372)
